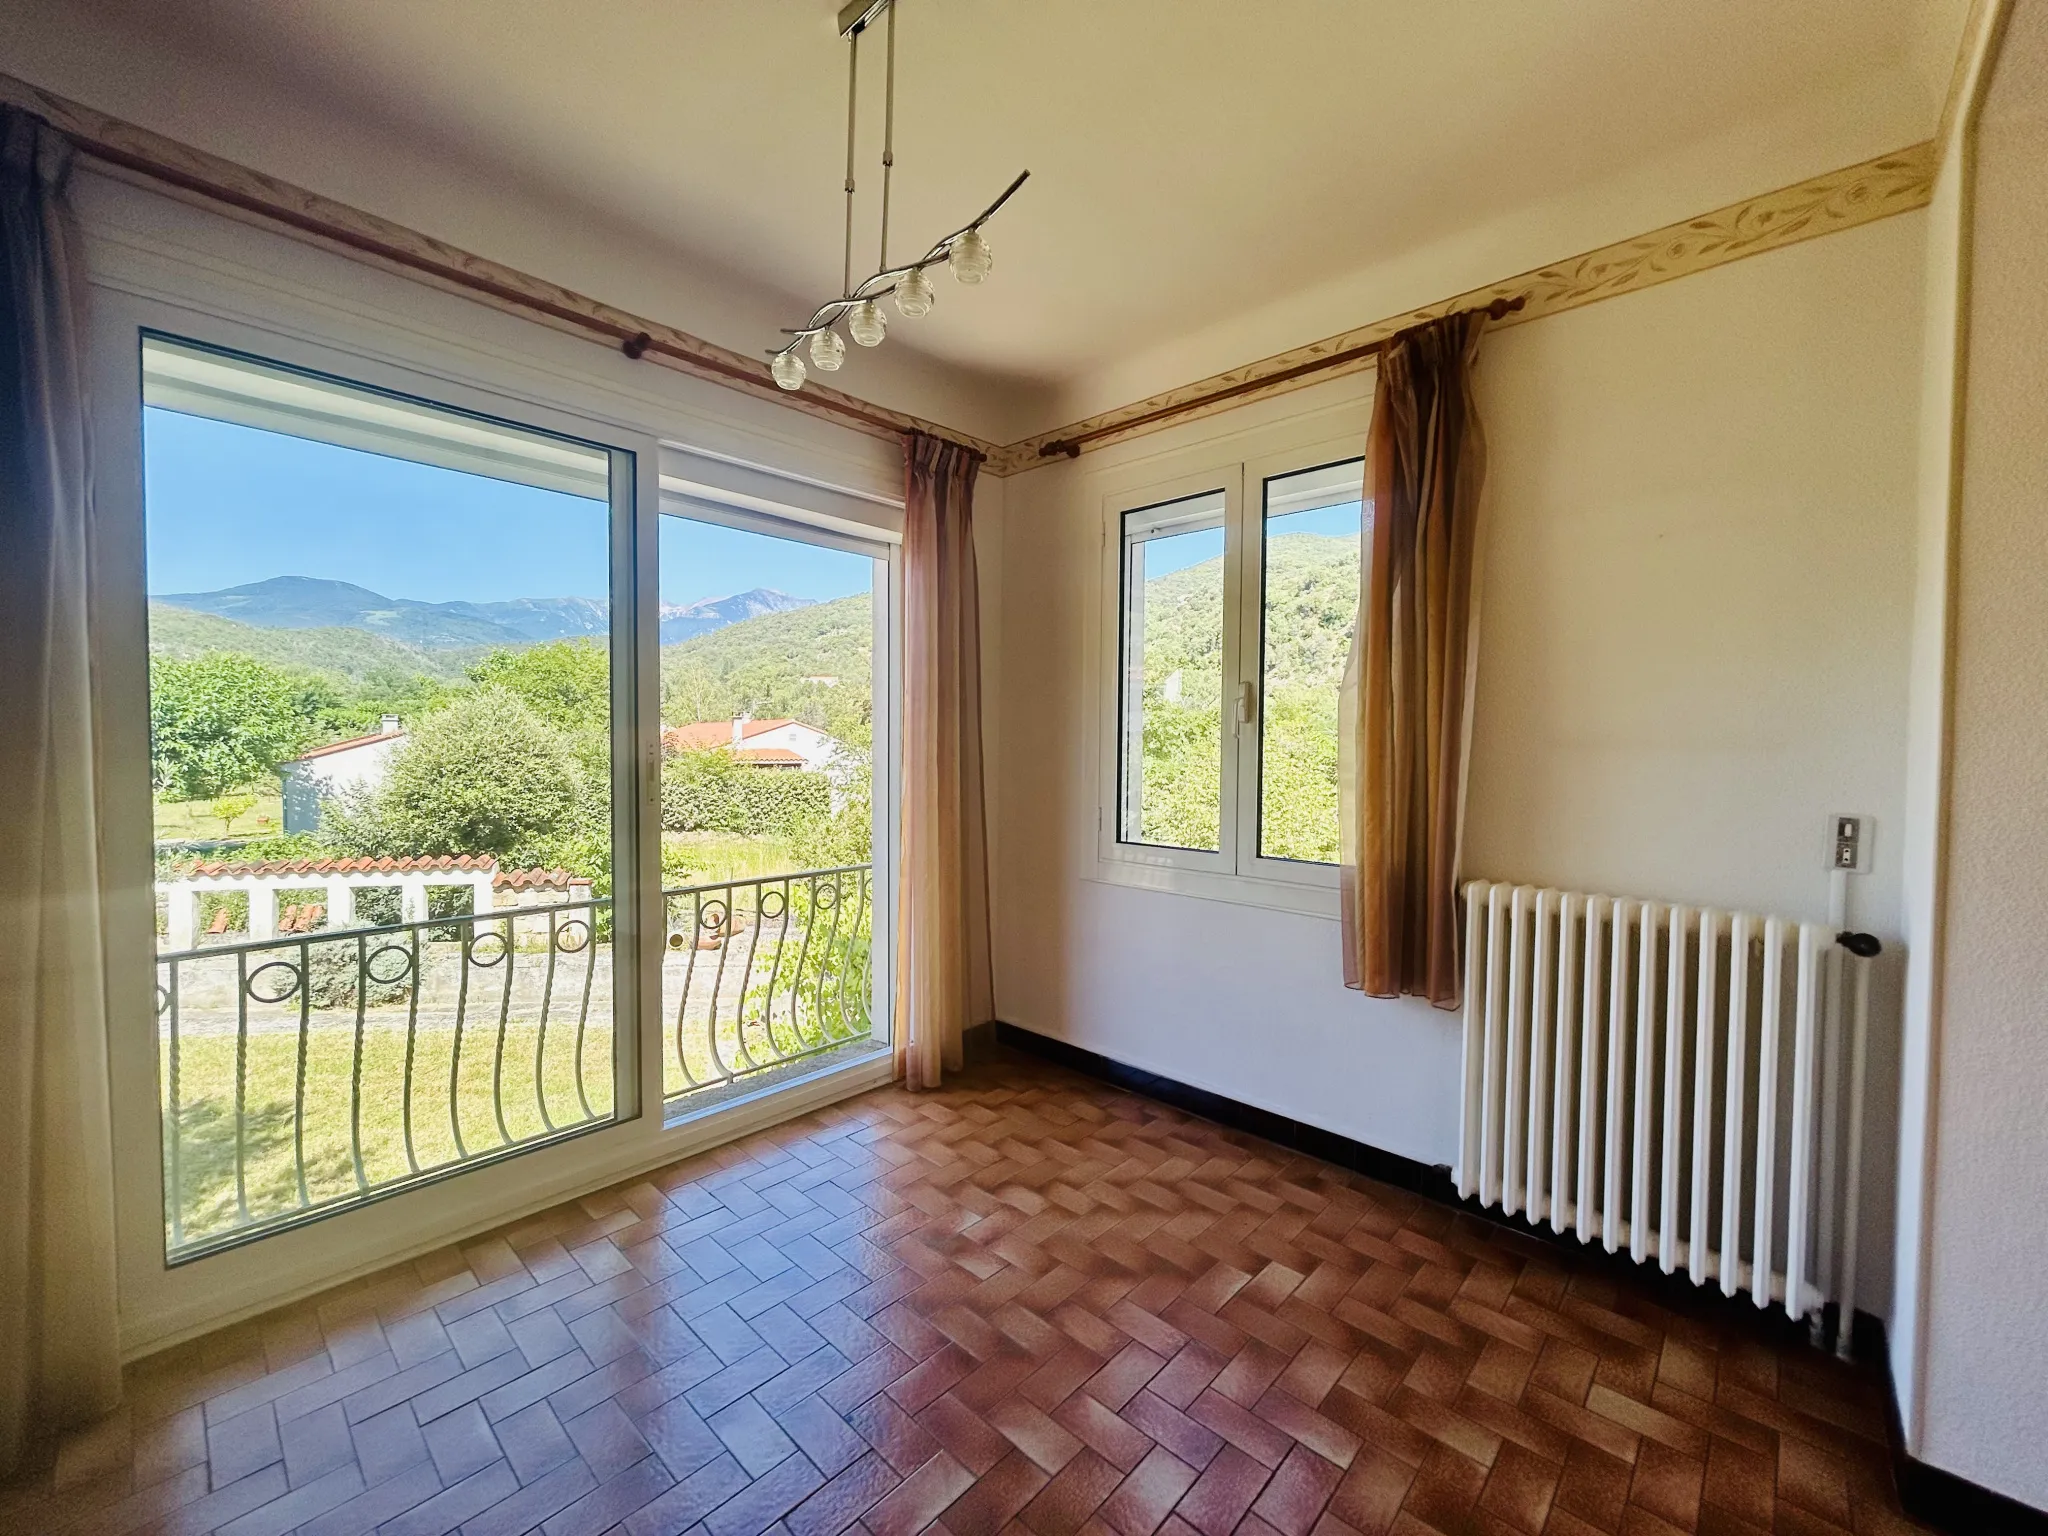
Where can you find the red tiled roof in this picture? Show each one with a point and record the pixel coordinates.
(715, 733)
(769, 756)
(536, 879)
(501, 879)
(383, 866)
(343, 746)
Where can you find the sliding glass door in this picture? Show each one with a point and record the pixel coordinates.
(774, 703)
(382, 725)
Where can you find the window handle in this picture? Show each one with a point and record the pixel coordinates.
(1247, 703)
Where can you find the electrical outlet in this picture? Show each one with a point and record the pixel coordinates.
(1849, 843)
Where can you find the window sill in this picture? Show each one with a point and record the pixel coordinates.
(1296, 896)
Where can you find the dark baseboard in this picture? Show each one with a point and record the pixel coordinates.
(1930, 1495)
(1296, 1135)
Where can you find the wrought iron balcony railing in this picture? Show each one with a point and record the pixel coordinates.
(763, 972)
(311, 1072)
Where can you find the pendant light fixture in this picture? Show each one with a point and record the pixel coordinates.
(966, 251)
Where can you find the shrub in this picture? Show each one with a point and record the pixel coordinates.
(481, 775)
(334, 976)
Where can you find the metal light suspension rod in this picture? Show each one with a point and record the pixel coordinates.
(888, 134)
(852, 95)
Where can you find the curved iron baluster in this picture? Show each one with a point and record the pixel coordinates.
(774, 971)
(511, 957)
(169, 1007)
(831, 949)
(299, 1092)
(242, 1083)
(455, 1056)
(717, 988)
(867, 956)
(412, 1038)
(355, 1076)
(796, 978)
(846, 961)
(583, 1013)
(739, 1012)
(689, 976)
(540, 1040)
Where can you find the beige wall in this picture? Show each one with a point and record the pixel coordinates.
(1694, 647)
(1983, 1405)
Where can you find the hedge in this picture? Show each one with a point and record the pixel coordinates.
(756, 802)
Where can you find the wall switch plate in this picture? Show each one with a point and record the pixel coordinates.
(1849, 843)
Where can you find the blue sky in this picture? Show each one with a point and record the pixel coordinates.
(228, 505)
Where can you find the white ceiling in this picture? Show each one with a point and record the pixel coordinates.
(1193, 162)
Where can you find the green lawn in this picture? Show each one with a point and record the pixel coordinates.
(706, 858)
(205, 1146)
(195, 819)
(763, 991)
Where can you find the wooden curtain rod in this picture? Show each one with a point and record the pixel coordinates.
(1070, 447)
(632, 340)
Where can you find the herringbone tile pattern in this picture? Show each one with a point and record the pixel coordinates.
(1026, 1304)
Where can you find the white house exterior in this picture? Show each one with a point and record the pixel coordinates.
(359, 762)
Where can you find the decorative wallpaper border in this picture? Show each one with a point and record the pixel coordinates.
(1820, 205)
(166, 164)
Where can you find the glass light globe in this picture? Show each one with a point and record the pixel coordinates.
(866, 323)
(788, 370)
(827, 351)
(914, 294)
(971, 257)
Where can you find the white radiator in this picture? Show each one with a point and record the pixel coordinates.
(1649, 1077)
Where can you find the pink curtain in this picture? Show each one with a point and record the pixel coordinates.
(1406, 723)
(942, 941)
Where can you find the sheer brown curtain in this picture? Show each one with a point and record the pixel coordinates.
(942, 943)
(59, 1361)
(1406, 723)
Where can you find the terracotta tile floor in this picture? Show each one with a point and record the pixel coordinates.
(1027, 1304)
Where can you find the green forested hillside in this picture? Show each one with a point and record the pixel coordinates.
(1311, 601)
(811, 664)
(353, 654)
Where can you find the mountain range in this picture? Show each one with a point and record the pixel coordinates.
(309, 602)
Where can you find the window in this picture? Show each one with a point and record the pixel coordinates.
(1235, 597)
(381, 713)
(1171, 789)
(1308, 607)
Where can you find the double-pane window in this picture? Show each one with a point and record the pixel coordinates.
(1234, 614)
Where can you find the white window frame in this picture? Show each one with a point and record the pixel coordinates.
(804, 525)
(1237, 872)
(1227, 479)
(158, 265)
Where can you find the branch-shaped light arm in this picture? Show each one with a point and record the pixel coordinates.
(885, 281)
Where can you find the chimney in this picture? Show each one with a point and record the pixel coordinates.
(390, 727)
(739, 727)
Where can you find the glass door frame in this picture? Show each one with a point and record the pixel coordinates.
(886, 683)
(161, 1303)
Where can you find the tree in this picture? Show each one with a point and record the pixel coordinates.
(231, 808)
(483, 774)
(566, 682)
(220, 722)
